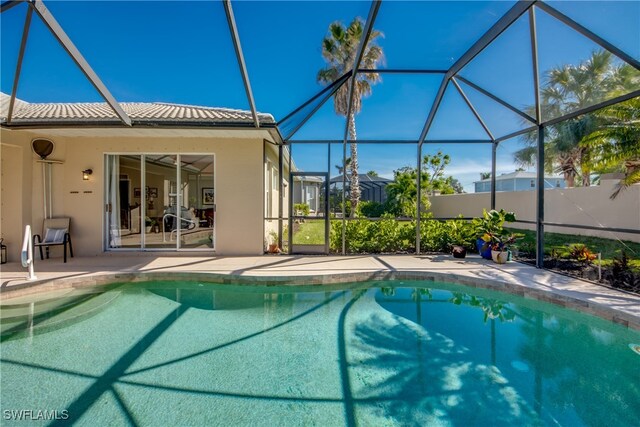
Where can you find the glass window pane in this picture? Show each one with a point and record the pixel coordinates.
(161, 201)
(197, 196)
(124, 215)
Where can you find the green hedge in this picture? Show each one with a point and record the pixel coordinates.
(388, 235)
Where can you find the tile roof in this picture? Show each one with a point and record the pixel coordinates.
(363, 177)
(140, 112)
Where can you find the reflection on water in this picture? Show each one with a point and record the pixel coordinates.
(387, 355)
(569, 369)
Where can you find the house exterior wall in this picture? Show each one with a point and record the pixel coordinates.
(238, 180)
(271, 226)
(14, 208)
(517, 184)
(297, 192)
(590, 206)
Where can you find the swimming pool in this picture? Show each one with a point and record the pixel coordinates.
(378, 353)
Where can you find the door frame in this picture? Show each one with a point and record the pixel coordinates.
(311, 249)
(143, 176)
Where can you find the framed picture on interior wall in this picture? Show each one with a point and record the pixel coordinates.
(207, 196)
(153, 192)
(136, 192)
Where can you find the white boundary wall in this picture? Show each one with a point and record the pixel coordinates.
(589, 206)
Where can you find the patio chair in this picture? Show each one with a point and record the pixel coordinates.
(56, 233)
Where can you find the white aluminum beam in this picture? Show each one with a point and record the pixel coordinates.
(50, 22)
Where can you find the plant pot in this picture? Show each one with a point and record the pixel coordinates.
(486, 252)
(500, 257)
(459, 251)
(273, 248)
(147, 229)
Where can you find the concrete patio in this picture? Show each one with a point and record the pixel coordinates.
(514, 278)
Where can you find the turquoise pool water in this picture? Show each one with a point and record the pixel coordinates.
(384, 353)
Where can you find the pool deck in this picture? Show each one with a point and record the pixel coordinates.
(515, 278)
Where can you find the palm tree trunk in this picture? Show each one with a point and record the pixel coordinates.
(354, 180)
(569, 179)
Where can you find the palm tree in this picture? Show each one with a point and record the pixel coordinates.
(570, 88)
(339, 50)
(616, 142)
(341, 167)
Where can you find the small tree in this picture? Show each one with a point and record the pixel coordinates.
(402, 193)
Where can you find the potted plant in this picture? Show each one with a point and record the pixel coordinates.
(460, 238)
(489, 228)
(273, 243)
(500, 250)
(149, 224)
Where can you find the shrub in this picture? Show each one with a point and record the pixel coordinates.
(574, 251)
(371, 209)
(387, 235)
(356, 236)
(366, 236)
(581, 252)
(621, 274)
(301, 209)
(390, 235)
(438, 236)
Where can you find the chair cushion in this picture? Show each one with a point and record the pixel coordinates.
(54, 235)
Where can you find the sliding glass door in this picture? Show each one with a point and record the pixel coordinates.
(197, 201)
(122, 210)
(160, 201)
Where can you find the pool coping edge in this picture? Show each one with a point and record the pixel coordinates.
(554, 296)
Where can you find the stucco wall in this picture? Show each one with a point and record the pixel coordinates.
(589, 206)
(238, 175)
(12, 208)
(271, 155)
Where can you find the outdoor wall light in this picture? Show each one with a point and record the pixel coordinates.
(86, 173)
(3, 252)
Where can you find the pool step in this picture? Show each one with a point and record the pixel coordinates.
(16, 320)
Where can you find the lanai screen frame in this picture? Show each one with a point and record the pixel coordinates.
(450, 76)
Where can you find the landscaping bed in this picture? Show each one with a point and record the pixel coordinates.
(615, 274)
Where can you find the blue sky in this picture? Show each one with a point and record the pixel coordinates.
(182, 53)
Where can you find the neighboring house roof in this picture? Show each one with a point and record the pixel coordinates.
(144, 113)
(310, 178)
(363, 178)
(518, 174)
